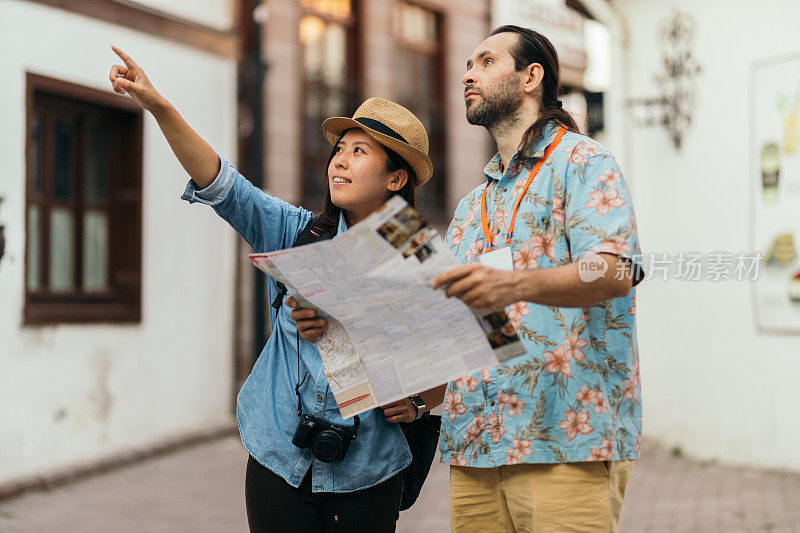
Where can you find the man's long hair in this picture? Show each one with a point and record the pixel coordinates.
(533, 47)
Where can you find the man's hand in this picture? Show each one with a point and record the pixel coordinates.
(482, 287)
(400, 411)
(309, 326)
(479, 286)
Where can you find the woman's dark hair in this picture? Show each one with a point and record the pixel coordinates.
(533, 47)
(394, 162)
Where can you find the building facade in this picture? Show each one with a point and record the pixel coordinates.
(327, 56)
(116, 314)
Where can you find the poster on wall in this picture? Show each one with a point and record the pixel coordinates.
(775, 226)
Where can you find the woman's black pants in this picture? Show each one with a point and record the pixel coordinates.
(274, 506)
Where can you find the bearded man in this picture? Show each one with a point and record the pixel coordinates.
(546, 441)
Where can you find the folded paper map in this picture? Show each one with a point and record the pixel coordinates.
(390, 335)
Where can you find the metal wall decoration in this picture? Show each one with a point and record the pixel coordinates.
(673, 108)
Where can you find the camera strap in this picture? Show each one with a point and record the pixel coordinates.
(314, 231)
(299, 381)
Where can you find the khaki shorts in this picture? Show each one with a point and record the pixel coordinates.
(545, 498)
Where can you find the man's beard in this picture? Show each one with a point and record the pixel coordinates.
(499, 107)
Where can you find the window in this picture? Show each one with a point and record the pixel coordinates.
(328, 38)
(419, 68)
(83, 205)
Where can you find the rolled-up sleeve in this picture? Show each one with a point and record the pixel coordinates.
(217, 191)
(265, 222)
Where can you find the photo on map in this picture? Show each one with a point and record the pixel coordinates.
(423, 253)
(394, 232)
(499, 330)
(418, 239)
(409, 217)
(402, 226)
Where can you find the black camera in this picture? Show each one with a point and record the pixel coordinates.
(328, 442)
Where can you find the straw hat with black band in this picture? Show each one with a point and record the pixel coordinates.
(393, 126)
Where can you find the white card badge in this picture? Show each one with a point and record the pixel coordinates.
(500, 258)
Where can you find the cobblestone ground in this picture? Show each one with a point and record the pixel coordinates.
(200, 489)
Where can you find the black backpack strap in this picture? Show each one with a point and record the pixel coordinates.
(314, 231)
(422, 436)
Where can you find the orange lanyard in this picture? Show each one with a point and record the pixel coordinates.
(531, 175)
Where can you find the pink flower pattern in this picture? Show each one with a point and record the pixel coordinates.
(573, 346)
(494, 426)
(459, 460)
(557, 214)
(610, 177)
(475, 249)
(583, 152)
(558, 362)
(517, 311)
(603, 201)
(518, 450)
(474, 430)
(453, 405)
(575, 423)
(548, 244)
(467, 383)
(457, 233)
(525, 256)
(630, 389)
(616, 246)
(587, 397)
(511, 402)
(604, 452)
(499, 226)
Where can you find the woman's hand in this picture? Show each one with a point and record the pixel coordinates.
(195, 155)
(400, 411)
(132, 80)
(309, 326)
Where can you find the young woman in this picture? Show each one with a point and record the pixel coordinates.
(379, 152)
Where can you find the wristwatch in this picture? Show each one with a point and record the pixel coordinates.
(419, 403)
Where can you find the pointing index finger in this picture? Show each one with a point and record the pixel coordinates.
(130, 63)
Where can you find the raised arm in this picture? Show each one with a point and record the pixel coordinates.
(195, 155)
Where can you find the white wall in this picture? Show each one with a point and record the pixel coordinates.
(218, 14)
(711, 384)
(74, 393)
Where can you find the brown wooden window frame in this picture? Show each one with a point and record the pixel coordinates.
(48, 98)
(312, 163)
(436, 209)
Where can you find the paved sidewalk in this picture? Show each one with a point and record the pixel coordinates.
(200, 489)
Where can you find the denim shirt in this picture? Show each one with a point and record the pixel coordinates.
(266, 408)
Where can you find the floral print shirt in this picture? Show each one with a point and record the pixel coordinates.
(575, 395)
